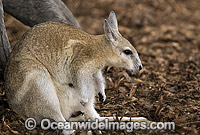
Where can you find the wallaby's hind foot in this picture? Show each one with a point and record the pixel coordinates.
(123, 118)
(68, 132)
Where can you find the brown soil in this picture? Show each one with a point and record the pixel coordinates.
(167, 36)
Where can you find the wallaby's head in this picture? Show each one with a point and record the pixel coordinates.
(124, 54)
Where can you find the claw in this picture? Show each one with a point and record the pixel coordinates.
(101, 97)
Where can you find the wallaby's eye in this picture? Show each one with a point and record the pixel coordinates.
(128, 52)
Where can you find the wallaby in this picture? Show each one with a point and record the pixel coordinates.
(55, 69)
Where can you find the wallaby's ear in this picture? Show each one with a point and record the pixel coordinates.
(110, 33)
(112, 20)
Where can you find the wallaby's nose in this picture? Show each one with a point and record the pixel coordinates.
(140, 67)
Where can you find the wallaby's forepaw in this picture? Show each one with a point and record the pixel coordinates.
(102, 97)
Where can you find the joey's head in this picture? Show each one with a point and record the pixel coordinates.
(123, 53)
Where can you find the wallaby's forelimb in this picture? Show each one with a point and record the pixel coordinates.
(32, 12)
(4, 43)
(99, 83)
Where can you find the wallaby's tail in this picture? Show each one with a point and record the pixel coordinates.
(4, 43)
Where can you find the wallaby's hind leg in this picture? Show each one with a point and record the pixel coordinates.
(91, 112)
(41, 100)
